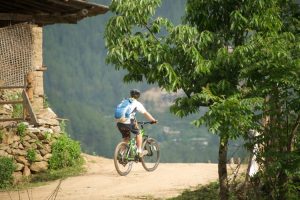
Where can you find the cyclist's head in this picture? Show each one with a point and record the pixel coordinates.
(134, 93)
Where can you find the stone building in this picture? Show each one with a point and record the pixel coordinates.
(22, 72)
(21, 24)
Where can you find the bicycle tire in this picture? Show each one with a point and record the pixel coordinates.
(150, 161)
(122, 165)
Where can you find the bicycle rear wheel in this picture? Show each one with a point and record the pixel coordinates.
(122, 165)
(150, 161)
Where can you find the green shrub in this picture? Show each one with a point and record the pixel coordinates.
(204, 192)
(17, 108)
(7, 167)
(1, 135)
(48, 136)
(65, 153)
(62, 125)
(21, 129)
(31, 155)
(46, 102)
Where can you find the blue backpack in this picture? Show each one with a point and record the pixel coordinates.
(122, 111)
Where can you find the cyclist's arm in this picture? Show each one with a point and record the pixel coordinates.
(149, 117)
(140, 108)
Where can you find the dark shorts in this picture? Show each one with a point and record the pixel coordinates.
(125, 129)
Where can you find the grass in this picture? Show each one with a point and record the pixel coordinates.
(206, 192)
(52, 175)
(44, 177)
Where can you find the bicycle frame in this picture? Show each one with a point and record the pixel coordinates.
(132, 150)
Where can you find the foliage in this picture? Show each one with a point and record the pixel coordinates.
(241, 59)
(7, 167)
(17, 108)
(31, 155)
(21, 128)
(62, 126)
(204, 192)
(1, 135)
(65, 153)
(46, 102)
(179, 57)
(51, 175)
(48, 136)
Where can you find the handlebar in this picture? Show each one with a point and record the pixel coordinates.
(143, 123)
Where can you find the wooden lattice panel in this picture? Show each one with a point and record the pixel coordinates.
(15, 54)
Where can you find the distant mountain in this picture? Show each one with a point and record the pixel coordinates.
(82, 88)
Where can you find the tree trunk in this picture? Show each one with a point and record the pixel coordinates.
(222, 169)
(282, 180)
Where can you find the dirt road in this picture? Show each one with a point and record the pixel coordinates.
(101, 182)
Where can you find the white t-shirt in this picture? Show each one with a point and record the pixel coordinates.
(133, 107)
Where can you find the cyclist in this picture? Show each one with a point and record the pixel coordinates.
(130, 124)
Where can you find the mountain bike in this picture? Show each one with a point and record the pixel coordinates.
(126, 153)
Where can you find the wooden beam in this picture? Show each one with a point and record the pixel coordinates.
(11, 87)
(27, 105)
(44, 68)
(15, 17)
(65, 3)
(41, 18)
(11, 102)
(11, 119)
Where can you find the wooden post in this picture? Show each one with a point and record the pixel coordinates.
(33, 117)
(29, 85)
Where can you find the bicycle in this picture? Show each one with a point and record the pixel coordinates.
(126, 153)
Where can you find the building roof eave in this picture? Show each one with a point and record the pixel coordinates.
(47, 12)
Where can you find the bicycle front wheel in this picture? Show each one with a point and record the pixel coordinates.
(150, 160)
(122, 164)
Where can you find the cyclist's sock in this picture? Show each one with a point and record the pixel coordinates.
(139, 150)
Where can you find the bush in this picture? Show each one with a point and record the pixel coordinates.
(21, 128)
(7, 167)
(65, 153)
(204, 192)
(31, 155)
(1, 135)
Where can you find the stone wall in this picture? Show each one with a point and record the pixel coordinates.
(39, 139)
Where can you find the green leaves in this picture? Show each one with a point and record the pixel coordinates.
(65, 153)
(238, 58)
(232, 116)
(7, 168)
(227, 55)
(136, 11)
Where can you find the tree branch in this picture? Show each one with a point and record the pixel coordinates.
(293, 134)
(151, 32)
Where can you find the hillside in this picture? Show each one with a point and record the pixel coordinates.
(82, 88)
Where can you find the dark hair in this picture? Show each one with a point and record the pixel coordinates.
(135, 93)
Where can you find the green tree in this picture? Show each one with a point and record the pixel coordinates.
(208, 58)
(272, 72)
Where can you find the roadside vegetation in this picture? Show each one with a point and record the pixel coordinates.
(66, 161)
(202, 192)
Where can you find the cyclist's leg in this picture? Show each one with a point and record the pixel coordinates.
(125, 131)
(139, 141)
(138, 137)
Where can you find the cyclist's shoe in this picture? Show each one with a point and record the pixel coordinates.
(137, 158)
(141, 154)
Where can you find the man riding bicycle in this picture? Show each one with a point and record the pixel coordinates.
(129, 124)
